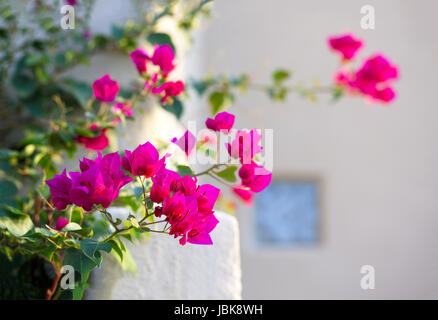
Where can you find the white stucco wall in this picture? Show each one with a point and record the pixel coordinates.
(167, 270)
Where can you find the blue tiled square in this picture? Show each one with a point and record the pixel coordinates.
(287, 213)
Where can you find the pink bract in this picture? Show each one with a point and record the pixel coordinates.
(105, 89)
(223, 121)
(346, 45)
(143, 161)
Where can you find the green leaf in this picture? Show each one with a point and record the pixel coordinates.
(24, 84)
(7, 154)
(116, 248)
(91, 249)
(72, 226)
(48, 251)
(81, 264)
(220, 100)
(184, 170)
(84, 132)
(134, 222)
(80, 90)
(228, 174)
(280, 75)
(85, 232)
(160, 39)
(128, 263)
(176, 107)
(117, 32)
(18, 225)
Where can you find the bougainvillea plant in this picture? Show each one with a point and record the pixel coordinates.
(66, 217)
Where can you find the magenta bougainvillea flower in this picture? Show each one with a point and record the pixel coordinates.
(60, 187)
(99, 181)
(247, 196)
(105, 89)
(161, 184)
(186, 142)
(149, 85)
(143, 161)
(206, 196)
(223, 121)
(98, 142)
(61, 223)
(170, 89)
(255, 177)
(188, 207)
(346, 45)
(174, 207)
(192, 226)
(140, 59)
(245, 145)
(373, 79)
(163, 57)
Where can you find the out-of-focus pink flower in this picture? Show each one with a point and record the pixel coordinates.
(71, 2)
(377, 69)
(247, 196)
(186, 142)
(60, 187)
(374, 77)
(150, 84)
(346, 45)
(86, 35)
(223, 121)
(140, 59)
(98, 142)
(98, 182)
(105, 89)
(143, 161)
(245, 145)
(61, 223)
(207, 137)
(123, 108)
(163, 57)
(385, 95)
(170, 89)
(255, 177)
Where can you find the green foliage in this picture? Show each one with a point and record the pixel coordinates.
(228, 174)
(219, 101)
(161, 39)
(184, 170)
(175, 107)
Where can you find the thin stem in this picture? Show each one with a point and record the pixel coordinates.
(209, 169)
(145, 224)
(109, 218)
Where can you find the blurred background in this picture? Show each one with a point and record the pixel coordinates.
(353, 183)
(356, 180)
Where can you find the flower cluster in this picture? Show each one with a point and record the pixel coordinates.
(373, 79)
(97, 183)
(156, 80)
(154, 70)
(244, 148)
(187, 206)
